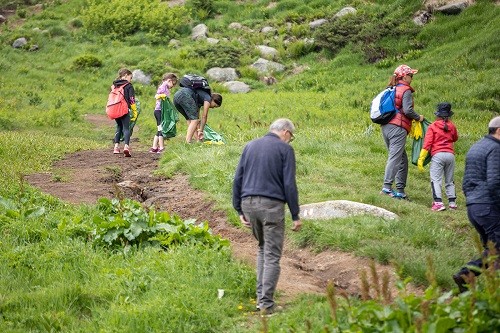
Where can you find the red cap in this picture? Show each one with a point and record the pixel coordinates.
(404, 70)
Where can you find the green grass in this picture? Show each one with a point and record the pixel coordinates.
(53, 280)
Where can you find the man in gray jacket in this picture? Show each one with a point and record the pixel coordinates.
(263, 183)
(481, 186)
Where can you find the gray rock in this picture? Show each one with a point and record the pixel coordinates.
(222, 74)
(199, 32)
(34, 47)
(20, 42)
(235, 26)
(422, 17)
(342, 208)
(212, 41)
(237, 87)
(345, 11)
(267, 51)
(267, 30)
(317, 23)
(265, 66)
(453, 8)
(174, 43)
(139, 76)
(2, 19)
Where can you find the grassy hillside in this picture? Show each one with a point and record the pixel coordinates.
(55, 280)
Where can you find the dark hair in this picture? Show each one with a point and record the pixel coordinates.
(170, 76)
(492, 130)
(217, 98)
(123, 72)
(445, 127)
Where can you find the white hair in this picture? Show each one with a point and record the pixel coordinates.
(282, 124)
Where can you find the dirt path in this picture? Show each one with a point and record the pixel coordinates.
(85, 176)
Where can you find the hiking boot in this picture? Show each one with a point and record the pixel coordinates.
(153, 150)
(460, 281)
(126, 152)
(438, 206)
(386, 191)
(453, 205)
(116, 150)
(400, 196)
(272, 310)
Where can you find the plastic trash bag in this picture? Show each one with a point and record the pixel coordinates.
(212, 137)
(169, 119)
(418, 130)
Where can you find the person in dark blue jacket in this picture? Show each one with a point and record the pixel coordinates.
(263, 183)
(481, 186)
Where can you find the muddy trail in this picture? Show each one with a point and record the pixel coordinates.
(85, 176)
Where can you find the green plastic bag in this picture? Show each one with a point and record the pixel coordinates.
(211, 136)
(418, 144)
(169, 119)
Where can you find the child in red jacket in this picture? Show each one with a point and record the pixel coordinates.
(439, 139)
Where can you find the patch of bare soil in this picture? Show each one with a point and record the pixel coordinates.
(85, 176)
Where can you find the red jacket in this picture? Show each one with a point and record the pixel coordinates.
(400, 119)
(437, 140)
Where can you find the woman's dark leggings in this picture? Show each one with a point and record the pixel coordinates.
(123, 127)
(158, 122)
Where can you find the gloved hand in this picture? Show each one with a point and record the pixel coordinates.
(133, 107)
(160, 96)
(421, 159)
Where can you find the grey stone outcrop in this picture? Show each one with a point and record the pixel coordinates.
(345, 11)
(267, 51)
(342, 208)
(212, 41)
(264, 66)
(237, 87)
(222, 74)
(20, 42)
(139, 76)
(199, 32)
(316, 23)
(453, 8)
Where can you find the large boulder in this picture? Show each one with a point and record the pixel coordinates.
(139, 76)
(345, 11)
(237, 87)
(266, 66)
(19, 43)
(199, 32)
(267, 51)
(222, 74)
(453, 8)
(342, 208)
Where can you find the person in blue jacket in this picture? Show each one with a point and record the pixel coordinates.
(481, 186)
(263, 183)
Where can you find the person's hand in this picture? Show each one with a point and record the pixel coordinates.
(161, 96)
(421, 159)
(200, 136)
(296, 225)
(421, 118)
(244, 221)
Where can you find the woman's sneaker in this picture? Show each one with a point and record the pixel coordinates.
(438, 206)
(153, 150)
(116, 150)
(126, 152)
(453, 205)
(160, 150)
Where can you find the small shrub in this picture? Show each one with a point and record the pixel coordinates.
(87, 61)
(299, 49)
(33, 98)
(75, 23)
(219, 56)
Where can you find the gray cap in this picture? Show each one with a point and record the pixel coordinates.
(494, 123)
